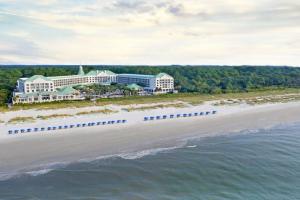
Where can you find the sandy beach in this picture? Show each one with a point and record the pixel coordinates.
(34, 151)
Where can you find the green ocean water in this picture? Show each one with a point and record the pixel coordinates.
(254, 165)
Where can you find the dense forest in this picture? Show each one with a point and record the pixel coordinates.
(201, 79)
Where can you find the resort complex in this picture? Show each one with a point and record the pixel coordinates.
(39, 88)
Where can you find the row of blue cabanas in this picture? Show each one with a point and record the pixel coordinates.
(52, 128)
(172, 116)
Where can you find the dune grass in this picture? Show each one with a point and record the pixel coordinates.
(142, 108)
(45, 117)
(21, 119)
(103, 111)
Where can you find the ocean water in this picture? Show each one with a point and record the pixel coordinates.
(263, 164)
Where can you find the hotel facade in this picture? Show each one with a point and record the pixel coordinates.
(39, 88)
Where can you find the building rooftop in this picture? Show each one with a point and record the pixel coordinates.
(134, 86)
(97, 72)
(138, 75)
(35, 77)
(163, 74)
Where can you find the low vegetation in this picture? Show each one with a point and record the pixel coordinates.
(21, 119)
(142, 108)
(191, 98)
(45, 117)
(104, 111)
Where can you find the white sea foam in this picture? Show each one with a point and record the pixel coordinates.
(39, 172)
(140, 154)
(191, 146)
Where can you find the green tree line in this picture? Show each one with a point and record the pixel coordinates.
(200, 79)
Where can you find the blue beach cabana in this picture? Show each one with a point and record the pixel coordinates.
(65, 127)
(165, 117)
(119, 121)
(54, 128)
(42, 129)
(214, 112)
(157, 117)
(36, 129)
(103, 123)
(16, 131)
(99, 123)
(49, 128)
(83, 125)
(72, 126)
(59, 127)
(171, 116)
(22, 130)
(207, 113)
(184, 115)
(29, 130)
(10, 132)
(201, 113)
(151, 118)
(78, 125)
(146, 118)
(195, 114)
(178, 115)
(124, 121)
(190, 114)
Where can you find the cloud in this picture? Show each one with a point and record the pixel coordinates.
(152, 32)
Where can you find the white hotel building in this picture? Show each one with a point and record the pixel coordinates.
(39, 88)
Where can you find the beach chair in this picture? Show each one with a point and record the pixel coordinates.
(10, 132)
(171, 116)
(146, 118)
(124, 121)
(214, 112)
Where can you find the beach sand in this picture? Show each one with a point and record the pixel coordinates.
(33, 151)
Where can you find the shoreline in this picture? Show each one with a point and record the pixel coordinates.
(32, 151)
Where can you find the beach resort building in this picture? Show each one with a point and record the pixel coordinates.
(39, 88)
(160, 83)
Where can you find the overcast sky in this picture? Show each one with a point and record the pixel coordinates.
(229, 32)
